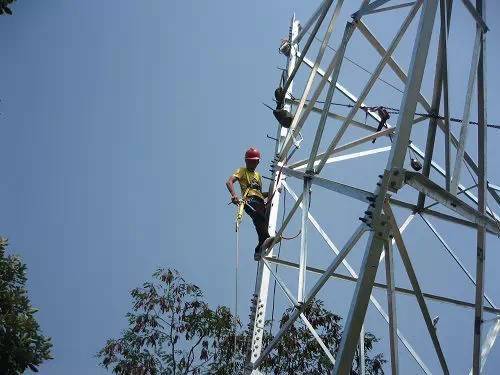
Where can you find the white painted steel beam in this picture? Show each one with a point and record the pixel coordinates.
(355, 155)
(262, 279)
(457, 168)
(391, 307)
(347, 146)
(482, 193)
(362, 367)
(301, 292)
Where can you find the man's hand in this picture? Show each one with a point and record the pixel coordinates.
(235, 200)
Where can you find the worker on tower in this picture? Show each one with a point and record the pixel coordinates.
(252, 197)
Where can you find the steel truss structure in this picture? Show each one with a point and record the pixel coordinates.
(378, 222)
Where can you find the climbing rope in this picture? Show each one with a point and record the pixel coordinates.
(236, 292)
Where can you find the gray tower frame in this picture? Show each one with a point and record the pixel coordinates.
(379, 222)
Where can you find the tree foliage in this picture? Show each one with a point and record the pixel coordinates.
(5, 7)
(307, 356)
(171, 330)
(22, 345)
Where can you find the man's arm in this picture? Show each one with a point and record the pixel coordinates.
(230, 186)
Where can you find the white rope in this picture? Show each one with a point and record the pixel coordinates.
(236, 293)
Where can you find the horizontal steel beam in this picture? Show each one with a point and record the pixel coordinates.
(403, 291)
(453, 219)
(346, 146)
(436, 192)
(350, 191)
(354, 155)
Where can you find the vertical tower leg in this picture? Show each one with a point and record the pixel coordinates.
(378, 236)
(482, 186)
(263, 274)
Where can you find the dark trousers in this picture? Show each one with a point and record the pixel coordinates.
(257, 211)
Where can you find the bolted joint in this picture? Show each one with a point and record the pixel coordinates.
(396, 179)
(309, 174)
(380, 226)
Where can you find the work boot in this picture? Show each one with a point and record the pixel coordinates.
(257, 255)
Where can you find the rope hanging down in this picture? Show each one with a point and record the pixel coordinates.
(239, 217)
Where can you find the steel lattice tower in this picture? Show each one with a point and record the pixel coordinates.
(465, 208)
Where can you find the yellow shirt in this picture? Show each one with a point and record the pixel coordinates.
(251, 181)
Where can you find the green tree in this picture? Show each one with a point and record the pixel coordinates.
(171, 330)
(22, 345)
(5, 7)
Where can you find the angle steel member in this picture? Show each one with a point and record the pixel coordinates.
(375, 243)
(482, 192)
(262, 285)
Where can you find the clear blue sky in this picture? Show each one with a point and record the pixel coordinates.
(121, 121)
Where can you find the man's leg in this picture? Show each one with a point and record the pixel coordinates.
(257, 213)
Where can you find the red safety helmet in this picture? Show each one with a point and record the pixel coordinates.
(252, 154)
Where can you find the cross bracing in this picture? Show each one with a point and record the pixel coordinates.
(437, 190)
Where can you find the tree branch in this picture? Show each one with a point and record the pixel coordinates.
(191, 352)
(173, 344)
